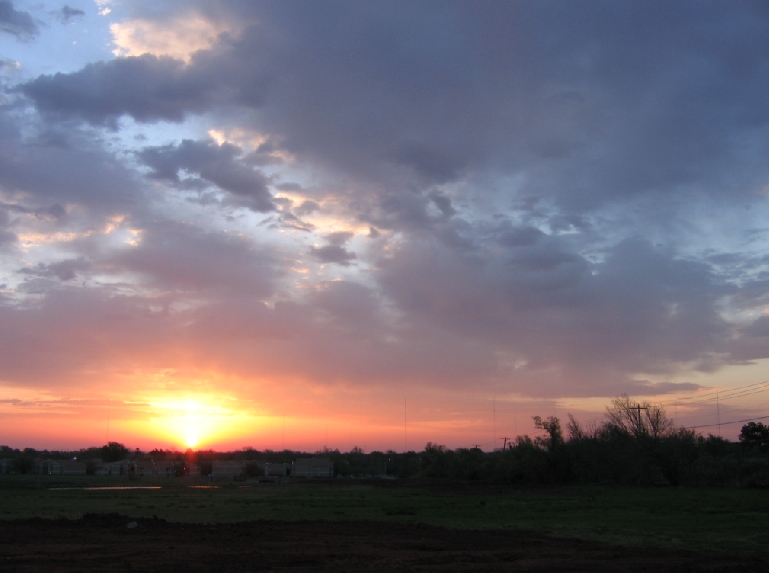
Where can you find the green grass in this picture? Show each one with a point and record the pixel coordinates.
(669, 517)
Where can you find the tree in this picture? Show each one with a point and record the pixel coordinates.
(755, 435)
(554, 433)
(639, 420)
(114, 452)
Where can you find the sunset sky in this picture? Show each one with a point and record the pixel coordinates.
(302, 224)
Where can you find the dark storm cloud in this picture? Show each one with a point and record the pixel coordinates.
(15, 22)
(221, 165)
(592, 100)
(146, 87)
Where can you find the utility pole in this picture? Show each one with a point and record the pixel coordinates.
(640, 421)
(504, 444)
(718, 415)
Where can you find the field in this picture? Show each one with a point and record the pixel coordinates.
(653, 522)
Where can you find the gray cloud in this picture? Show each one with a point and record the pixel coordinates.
(6, 235)
(500, 153)
(65, 270)
(15, 22)
(67, 14)
(333, 254)
(180, 256)
(147, 88)
(53, 168)
(218, 164)
(586, 326)
(619, 101)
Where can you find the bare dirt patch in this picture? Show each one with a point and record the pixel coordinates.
(106, 542)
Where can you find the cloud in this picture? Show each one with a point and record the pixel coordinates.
(179, 256)
(63, 270)
(15, 22)
(67, 14)
(554, 195)
(6, 235)
(563, 321)
(333, 254)
(179, 38)
(221, 165)
(148, 88)
(429, 96)
(38, 174)
(9, 65)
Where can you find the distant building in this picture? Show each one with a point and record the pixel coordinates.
(112, 469)
(227, 470)
(45, 467)
(313, 468)
(144, 468)
(6, 466)
(272, 469)
(165, 469)
(58, 467)
(192, 470)
(72, 468)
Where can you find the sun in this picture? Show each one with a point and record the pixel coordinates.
(191, 441)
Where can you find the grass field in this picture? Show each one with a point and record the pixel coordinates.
(734, 519)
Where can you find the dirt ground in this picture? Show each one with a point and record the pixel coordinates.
(117, 543)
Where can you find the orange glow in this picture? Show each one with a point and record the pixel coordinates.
(193, 422)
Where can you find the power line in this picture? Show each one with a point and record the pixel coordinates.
(699, 397)
(726, 423)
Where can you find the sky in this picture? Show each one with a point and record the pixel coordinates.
(377, 224)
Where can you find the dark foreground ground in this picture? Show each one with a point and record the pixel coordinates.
(107, 543)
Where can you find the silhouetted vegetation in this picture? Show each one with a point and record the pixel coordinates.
(636, 443)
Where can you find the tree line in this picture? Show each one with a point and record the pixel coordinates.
(635, 443)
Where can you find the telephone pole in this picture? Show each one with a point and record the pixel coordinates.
(718, 415)
(504, 444)
(405, 440)
(494, 418)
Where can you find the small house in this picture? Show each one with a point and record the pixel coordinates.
(313, 468)
(227, 470)
(6, 466)
(144, 468)
(72, 468)
(165, 468)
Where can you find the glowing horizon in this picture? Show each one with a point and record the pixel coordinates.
(254, 225)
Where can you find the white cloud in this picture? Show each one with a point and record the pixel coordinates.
(179, 38)
(103, 7)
